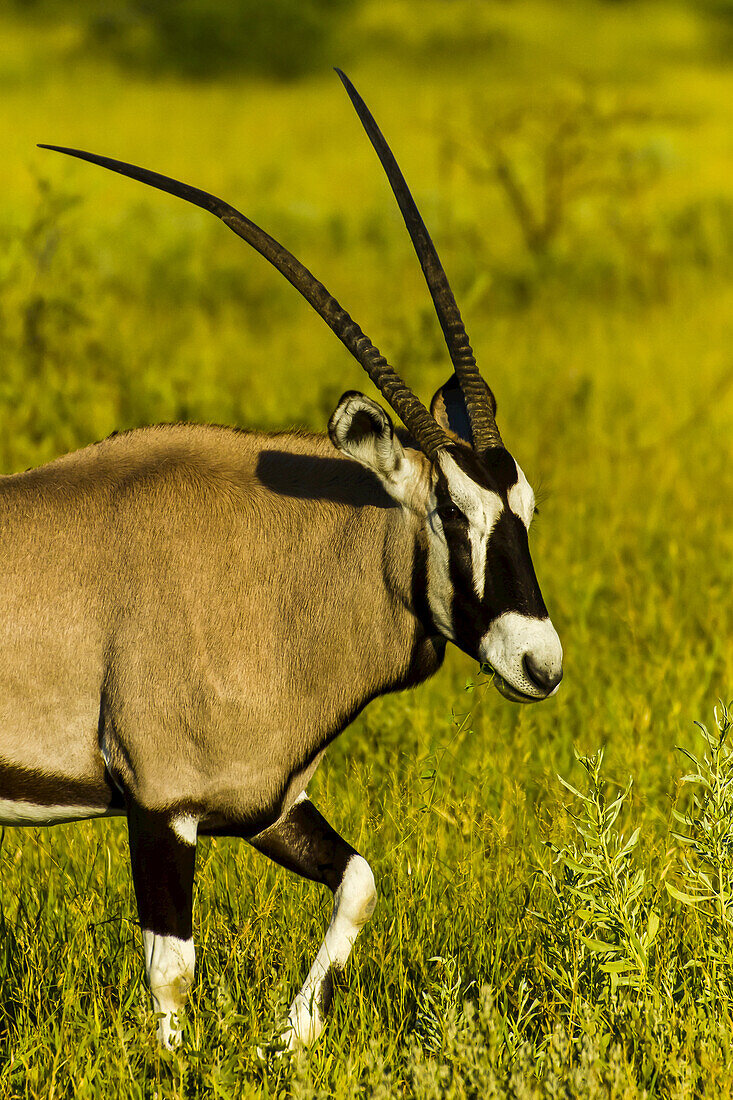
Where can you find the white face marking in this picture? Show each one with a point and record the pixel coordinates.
(185, 826)
(521, 498)
(512, 636)
(353, 905)
(479, 544)
(169, 965)
(18, 812)
(482, 509)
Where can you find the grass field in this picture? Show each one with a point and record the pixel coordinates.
(525, 943)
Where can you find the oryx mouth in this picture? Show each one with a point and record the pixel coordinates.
(513, 694)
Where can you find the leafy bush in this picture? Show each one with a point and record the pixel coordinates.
(603, 922)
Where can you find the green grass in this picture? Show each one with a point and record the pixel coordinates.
(610, 357)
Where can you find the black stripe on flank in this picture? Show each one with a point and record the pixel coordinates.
(44, 789)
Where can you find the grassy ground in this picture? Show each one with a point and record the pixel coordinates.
(510, 954)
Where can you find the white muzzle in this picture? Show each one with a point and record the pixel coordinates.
(526, 655)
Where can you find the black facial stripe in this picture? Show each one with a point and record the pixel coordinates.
(494, 469)
(510, 582)
(45, 789)
(419, 587)
(442, 495)
(467, 613)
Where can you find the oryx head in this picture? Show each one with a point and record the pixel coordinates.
(476, 507)
(472, 499)
(475, 501)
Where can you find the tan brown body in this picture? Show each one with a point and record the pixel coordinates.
(201, 608)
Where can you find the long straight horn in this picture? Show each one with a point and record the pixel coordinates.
(428, 434)
(479, 399)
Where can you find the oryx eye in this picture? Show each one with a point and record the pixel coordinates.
(449, 513)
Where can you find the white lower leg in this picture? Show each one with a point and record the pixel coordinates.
(354, 903)
(169, 965)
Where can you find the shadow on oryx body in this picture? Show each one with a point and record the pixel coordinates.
(190, 614)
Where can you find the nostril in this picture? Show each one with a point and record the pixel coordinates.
(546, 679)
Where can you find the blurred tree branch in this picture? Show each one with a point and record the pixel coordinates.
(569, 148)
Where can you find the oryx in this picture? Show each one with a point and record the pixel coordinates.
(190, 614)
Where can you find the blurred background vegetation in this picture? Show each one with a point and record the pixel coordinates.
(574, 163)
(202, 39)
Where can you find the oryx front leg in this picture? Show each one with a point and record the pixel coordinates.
(163, 855)
(304, 842)
(354, 902)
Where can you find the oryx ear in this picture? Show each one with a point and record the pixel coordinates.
(449, 409)
(362, 430)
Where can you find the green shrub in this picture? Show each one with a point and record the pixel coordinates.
(601, 926)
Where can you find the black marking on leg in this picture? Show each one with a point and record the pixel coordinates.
(214, 825)
(162, 871)
(303, 842)
(325, 998)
